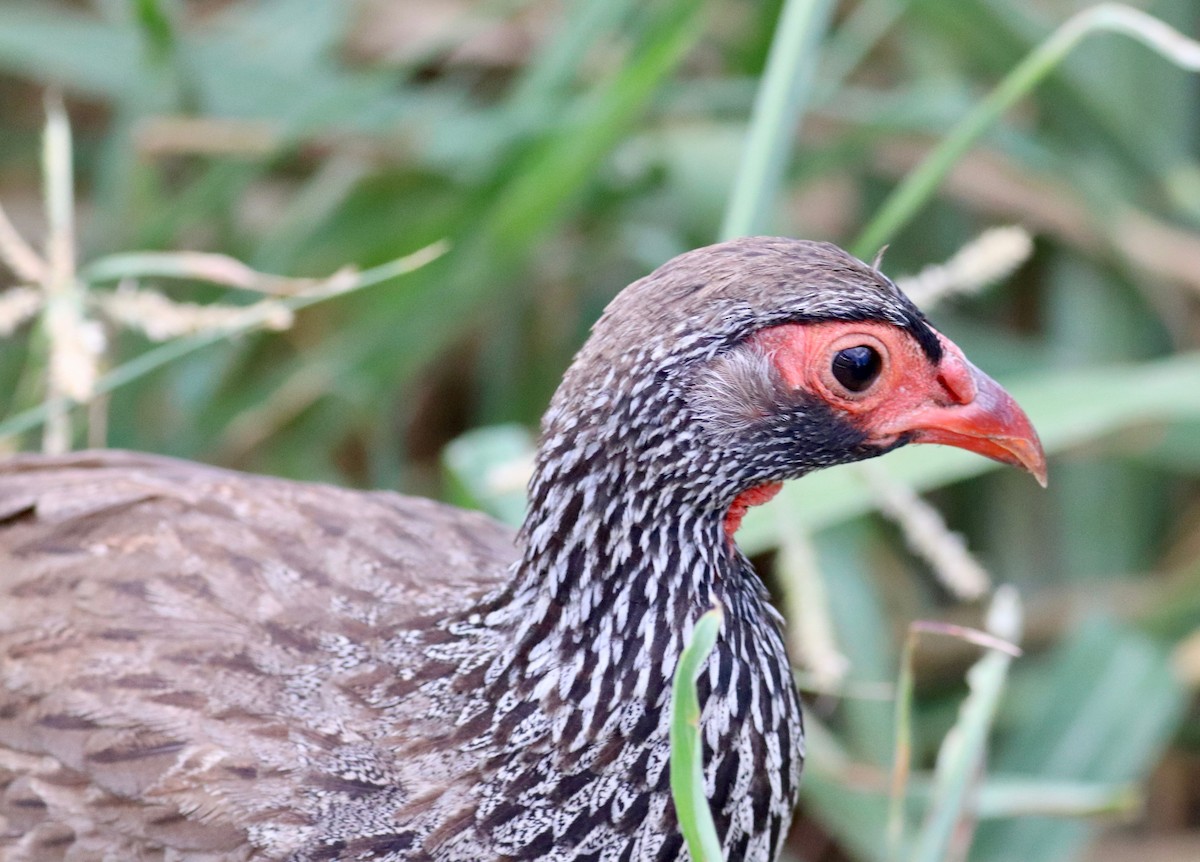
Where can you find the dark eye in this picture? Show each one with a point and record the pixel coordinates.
(856, 368)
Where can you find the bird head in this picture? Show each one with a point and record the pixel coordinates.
(737, 366)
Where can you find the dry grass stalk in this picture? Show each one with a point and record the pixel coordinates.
(18, 305)
(811, 637)
(18, 254)
(77, 345)
(928, 536)
(74, 344)
(220, 269)
(990, 257)
(160, 318)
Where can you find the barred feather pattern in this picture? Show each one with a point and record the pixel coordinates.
(204, 664)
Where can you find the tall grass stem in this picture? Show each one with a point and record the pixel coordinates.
(919, 185)
(783, 95)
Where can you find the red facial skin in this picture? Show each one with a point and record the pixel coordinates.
(951, 402)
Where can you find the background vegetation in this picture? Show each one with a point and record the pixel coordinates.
(565, 149)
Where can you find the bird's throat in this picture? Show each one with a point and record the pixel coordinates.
(755, 496)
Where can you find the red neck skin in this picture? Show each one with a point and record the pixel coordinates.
(742, 503)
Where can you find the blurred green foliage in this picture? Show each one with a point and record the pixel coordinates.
(565, 149)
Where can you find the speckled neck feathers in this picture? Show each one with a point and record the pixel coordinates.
(624, 549)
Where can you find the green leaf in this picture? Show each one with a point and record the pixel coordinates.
(489, 468)
(687, 762)
(80, 53)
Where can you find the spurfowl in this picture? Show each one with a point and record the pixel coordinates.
(206, 665)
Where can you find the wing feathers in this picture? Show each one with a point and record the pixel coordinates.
(178, 643)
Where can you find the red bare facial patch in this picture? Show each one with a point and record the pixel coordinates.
(949, 401)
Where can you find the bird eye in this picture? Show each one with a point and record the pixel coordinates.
(857, 368)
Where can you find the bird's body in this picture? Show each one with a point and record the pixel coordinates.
(201, 664)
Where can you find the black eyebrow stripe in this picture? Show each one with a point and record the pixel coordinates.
(926, 337)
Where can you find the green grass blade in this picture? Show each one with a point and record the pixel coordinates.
(782, 97)
(488, 469)
(1009, 796)
(863, 28)
(564, 162)
(156, 25)
(556, 64)
(916, 188)
(166, 78)
(1005, 796)
(687, 766)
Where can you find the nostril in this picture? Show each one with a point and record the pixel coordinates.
(956, 378)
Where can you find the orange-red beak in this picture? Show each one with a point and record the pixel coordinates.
(979, 416)
(992, 425)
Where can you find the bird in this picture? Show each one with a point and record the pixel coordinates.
(202, 664)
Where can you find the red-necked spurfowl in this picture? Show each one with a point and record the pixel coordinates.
(199, 664)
